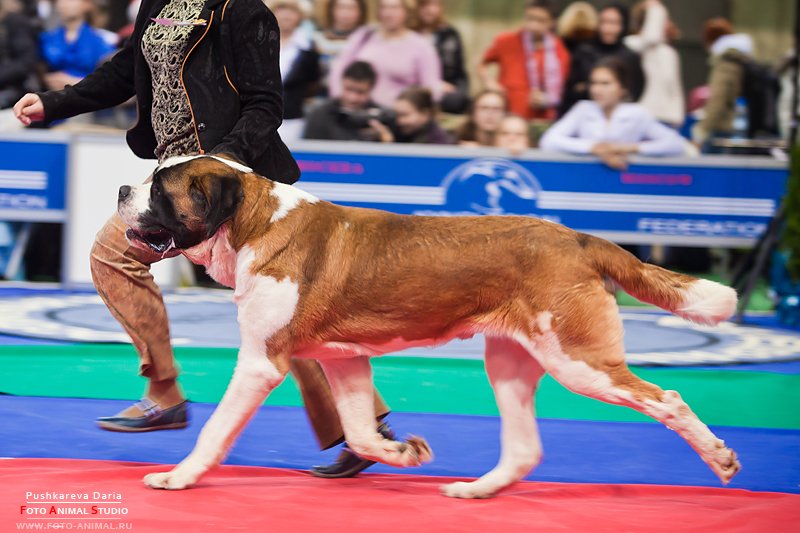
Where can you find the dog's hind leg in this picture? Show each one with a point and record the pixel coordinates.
(594, 365)
(514, 376)
(352, 388)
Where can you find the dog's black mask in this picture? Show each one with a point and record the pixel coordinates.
(185, 210)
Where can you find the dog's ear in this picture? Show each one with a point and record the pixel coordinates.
(222, 198)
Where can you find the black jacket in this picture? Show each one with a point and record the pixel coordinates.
(300, 82)
(19, 53)
(584, 57)
(231, 75)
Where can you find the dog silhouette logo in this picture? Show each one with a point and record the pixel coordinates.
(491, 186)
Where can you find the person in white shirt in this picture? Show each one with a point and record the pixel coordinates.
(609, 127)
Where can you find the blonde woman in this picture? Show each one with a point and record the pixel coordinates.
(299, 64)
(337, 20)
(401, 57)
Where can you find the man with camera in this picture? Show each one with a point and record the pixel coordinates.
(351, 116)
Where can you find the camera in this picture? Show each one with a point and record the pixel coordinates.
(360, 119)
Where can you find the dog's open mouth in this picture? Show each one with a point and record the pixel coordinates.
(160, 241)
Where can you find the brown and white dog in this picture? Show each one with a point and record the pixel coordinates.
(339, 284)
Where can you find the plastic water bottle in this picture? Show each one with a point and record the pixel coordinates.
(740, 121)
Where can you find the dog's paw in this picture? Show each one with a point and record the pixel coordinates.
(172, 480)
(462, 489)
(725, 464)
(414, 451)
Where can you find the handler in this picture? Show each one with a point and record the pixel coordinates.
(206, 77)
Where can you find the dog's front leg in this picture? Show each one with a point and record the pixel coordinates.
(254, 378)
(351, 384)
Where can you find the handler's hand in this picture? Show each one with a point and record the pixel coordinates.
(29, 109)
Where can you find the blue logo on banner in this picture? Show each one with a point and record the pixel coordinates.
(491, 186)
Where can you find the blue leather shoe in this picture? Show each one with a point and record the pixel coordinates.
(154, 418)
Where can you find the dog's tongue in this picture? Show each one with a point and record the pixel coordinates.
(159, 242)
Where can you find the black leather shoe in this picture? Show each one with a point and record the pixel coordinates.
(348, 464)
(154, 418)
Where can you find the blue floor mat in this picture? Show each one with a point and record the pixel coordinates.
(465, 446)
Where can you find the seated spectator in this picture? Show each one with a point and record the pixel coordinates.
(401, 57)
(455, 82)
(18, 54)
(299, 63)
(486, 111)
(347, 118)
(415, 120)
(513, 134)
(533, 64)
(608, 127)
(338, 19)
(663, 88)
(73, 50)
(729, 53)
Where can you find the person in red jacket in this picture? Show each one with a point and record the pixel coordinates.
(533, 64)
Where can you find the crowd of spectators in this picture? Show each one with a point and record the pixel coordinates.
(602, 81)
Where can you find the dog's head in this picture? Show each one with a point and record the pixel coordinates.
(184, 204)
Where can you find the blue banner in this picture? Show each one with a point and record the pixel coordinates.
(33, 181)
(704, 201)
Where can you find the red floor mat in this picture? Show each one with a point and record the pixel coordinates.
(273, 500)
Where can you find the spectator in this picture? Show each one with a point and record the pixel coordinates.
(788, 76)
(663, 90)
(347, 118)
(533, 64)
(729, 52)
(415, 120)
(513, 134)
(338, 19)
(609, 128)
(401, 57)
(486, 112)
(613, 26)
(611, 29)
(299, 64)
(72, 50)
(577, 27)
(18, 53)
(447, 40)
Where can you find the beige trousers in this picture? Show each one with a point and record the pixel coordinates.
(121, 274)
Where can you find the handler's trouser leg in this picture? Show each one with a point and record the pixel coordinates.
(121, 275)
(318, 400)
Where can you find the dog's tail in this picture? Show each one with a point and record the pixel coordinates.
(698, 300)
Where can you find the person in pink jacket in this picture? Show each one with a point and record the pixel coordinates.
(401, 57)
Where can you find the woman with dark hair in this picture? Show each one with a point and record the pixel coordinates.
(612, 27)
(337, 20)
(455, 82)
(415, 120)
(609, 127)
(485, 114)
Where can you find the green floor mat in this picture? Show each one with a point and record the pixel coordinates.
(457, 386)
